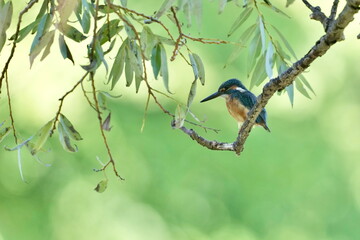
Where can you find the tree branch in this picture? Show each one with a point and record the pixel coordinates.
(334, 34)
(317, 14)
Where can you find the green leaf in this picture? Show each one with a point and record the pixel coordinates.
(307, 84)
(44, 41)
(106, 124)
(64, 49)
(118, 65)
(156, 60)
(259, 73)
(123, 3)
(243, 40)
(290, 91)
(91, 67)
(286, 43)
(192, 94)
(164, 7)
(65, 139)
(269, 63)
(101, 187)
(43, 9)
(129, 72)
(194, 66)
(197, 11)
(244, 15)
(72, 33)
(42, 29)
(254, 51)
(179, 117)
(6, 11)
(301, 89)
(109, 30)
(222, 4)
(40, 138)
(134, 54)
(275, 9)
(4, 132)
(262, 34)
(148, 41)
(85, 21)
(25, 31)
(164, 67)
(200, 68)
(65, 9)
(48, 46)
(69, 128)
(99, 53)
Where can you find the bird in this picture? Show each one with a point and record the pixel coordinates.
(239, 101)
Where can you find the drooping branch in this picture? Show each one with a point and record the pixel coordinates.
(334, 34)
(6, 67)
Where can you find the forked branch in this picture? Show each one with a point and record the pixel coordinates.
(333, 35)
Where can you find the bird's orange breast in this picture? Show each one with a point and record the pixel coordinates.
(236, 109)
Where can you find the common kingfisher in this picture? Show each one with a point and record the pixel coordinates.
(239, 101)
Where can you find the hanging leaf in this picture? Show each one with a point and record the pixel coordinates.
(45, 40)
(72, 33)
(156, 60)
(241, 46)
(25, 31)
(43, 9)
(286, 43)
(118, 65)
(109, 30)
(192, 94)
(65, 8)
(99, 53)
(290, 92)
(194, 66)
(42, 29)
(106, 124)
(259, 73)
(101, 187)
(48, 47)
(91, 67)
(6, 11)
(40, 138)
(307, 84)
(244, 15)
(129, 72)
(164, 68)
(269, 60)
(179, 117)
(148, 41)
(262, 34)
(301, 89)
(197, 11)
(200, 68)
(85, 21)
(164, 7)
(254, 51)
(275, 9)
(65, 139)
(69, 128)
(64, 49)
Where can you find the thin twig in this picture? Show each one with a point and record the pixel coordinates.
(96, 102)
(62, 102)
(5, 69)
(10, 108)
(317, 14)
(332, 14)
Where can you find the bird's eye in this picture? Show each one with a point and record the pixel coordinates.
(222, 90)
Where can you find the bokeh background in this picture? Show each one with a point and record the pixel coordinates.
(299, 182)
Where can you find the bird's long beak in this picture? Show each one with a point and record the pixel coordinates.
(212, 96)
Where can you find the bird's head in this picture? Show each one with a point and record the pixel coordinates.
(226, 88)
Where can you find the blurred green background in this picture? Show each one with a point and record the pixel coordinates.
(301, 181)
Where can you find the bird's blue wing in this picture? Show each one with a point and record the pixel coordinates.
(248, 99)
